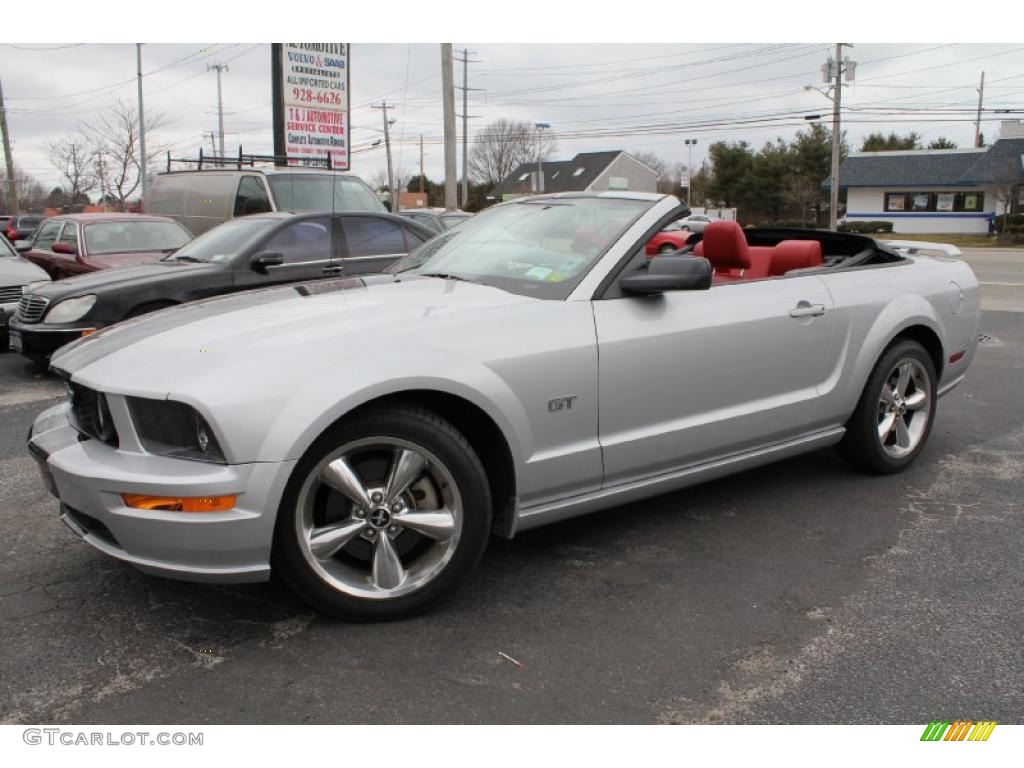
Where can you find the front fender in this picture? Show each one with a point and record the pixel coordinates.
(317, 404)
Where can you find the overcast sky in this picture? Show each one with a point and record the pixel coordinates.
(595, 97)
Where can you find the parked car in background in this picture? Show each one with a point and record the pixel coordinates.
(84, 242)
(438, 219)
(200, 200)
(696, 222)
(252, 252)
(15, 275)
(672, 238)
(22, 226)
(364, 441)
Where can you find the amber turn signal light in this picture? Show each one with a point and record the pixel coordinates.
(180, 503)
(87, 332)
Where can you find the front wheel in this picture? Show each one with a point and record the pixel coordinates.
(895, 413)
(386, 513)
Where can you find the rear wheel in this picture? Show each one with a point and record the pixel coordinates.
(667, 249)
(385, 514)
(895, 413)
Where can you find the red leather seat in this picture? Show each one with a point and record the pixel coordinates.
(794, 254)
(725, 246)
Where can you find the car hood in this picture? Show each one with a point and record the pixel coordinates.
(15, 270)
(120, 278)
(296, 326)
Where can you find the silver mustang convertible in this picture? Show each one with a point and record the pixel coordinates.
(364, 436)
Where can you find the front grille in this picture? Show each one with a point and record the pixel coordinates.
(91, 415)
(31, 309)
(9, 293)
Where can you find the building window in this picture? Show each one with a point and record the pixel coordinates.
(940, 202)
(895, 201)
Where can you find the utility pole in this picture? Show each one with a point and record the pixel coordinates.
(220, 103)
(421, 164)
(213, 146)
(448, 100)
(142, 129)
(387, 146)
(12, 189)
(977, 124)
(690, 144)
(465, 121)
(835, 71)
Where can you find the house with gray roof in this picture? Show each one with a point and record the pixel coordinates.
(937, 190)
(587, 172)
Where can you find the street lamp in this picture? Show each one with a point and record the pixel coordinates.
(690, 144)
(540, 164)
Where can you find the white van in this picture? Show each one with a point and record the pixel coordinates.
(200, 200)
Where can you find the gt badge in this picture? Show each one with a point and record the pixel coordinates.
(562, 403)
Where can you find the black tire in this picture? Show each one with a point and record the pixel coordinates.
(666, 249)
(862, 445)
(422, 428)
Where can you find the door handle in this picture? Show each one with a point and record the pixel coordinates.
(806, 309)
(335, 270)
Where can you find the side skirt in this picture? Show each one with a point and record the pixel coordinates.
(563, 509)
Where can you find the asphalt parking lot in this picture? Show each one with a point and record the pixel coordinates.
(798, 593)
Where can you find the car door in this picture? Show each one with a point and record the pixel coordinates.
(69, 264)
(372, 243)
(40, 253)
(307, 247)
(690, 376)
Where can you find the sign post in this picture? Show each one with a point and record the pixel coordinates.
(311, 102)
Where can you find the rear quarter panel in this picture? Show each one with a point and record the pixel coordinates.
(874, 304)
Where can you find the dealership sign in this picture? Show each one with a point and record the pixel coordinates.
(311, 102)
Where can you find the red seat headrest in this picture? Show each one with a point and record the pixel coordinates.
(795, 254)
(725, 246)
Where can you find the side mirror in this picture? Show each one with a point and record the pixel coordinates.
(22, 245)
(262, 262)
(66, 248)
(670, 273)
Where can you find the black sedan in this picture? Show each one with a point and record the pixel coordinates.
(241, 254)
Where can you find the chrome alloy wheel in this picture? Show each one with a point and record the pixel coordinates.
(903, 408)
(379, 518)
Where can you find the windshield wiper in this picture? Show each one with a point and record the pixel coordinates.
(186, 257)
(448, 276)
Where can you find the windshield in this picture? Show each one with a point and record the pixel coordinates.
(225, 241)
(5, 248)
(29, 222)
(134, 237)
(541, 247)
(312, 192)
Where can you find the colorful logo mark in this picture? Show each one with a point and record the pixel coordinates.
(958, 730)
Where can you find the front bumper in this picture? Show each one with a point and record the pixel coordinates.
(88, 477)
(41, 340)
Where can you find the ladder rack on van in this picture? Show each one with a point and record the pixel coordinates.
(248, 161)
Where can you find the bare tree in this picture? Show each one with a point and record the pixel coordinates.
(72, 158)
(31, 194)
(500, 147)
(670, 175)
(115, 140)
(1006, 187)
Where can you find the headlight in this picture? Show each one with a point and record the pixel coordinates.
(169, 428)
(69, 310)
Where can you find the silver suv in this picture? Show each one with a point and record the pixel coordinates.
(200, 200)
